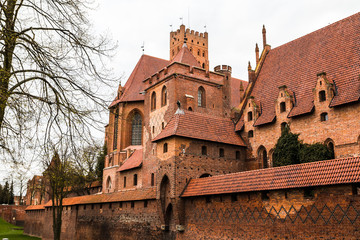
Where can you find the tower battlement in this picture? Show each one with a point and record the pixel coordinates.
(196, 42)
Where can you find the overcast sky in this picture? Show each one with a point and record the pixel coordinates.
(233, 26)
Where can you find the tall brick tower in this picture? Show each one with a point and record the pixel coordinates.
(195, 41)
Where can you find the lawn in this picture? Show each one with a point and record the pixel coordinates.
(13, 232)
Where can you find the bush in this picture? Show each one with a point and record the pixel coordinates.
(314, 152)
(289, 150)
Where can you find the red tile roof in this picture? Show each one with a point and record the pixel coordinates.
(235, 91)
(146, 66)
(334, 49)
(134, 161)
(35, 207)
(129, 195)
(329, 172)
(201, 126)
(185, 56)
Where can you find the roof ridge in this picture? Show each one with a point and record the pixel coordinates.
(317, 30)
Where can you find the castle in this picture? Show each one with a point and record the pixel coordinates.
(182, 138)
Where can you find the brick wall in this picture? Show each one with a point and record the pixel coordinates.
(13, 214)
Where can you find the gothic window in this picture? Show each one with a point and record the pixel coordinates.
(201, 97)
(324, 117)
(250, 134)
(191, 48)
(237, 155)
(262, 156)
(221, 152)
(203, 65)
(116, 125)
(282, 107)
(135, 179)
(204, 150)
(284, 126)
(198, 52)
(108, 183)
(165, 148)
(163, 96)
(203, 54)
(152, 179)
(153, 101)
(136, 129)
(322, 96)
(250, 116)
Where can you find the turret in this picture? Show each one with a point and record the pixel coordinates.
(257, 54)
(264, 36)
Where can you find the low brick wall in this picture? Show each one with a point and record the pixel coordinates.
(331, 212)
(13, 214)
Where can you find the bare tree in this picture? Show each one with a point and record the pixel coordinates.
(51, 72)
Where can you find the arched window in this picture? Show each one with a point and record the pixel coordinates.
(221, 152)
(324, 117)
(250, 116)
(135, 179)
(108, 183)
(190, 109)
(331, 146)
(163, 96)
(124, 182)
(153, 101)
(204, 150)
(282, 107)
(116, 127)
(322, 96)
(284, 126)
(203, 54)
(250, 134)
(205, 175)
(201, 97)
(165, 148)
(198, 52)
(136, 129)
(173, 52)
(203, 65)
(190, 49)
(152, 179)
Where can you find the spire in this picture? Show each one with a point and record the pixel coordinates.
(249, 66)
(264, 36)
(257, 53)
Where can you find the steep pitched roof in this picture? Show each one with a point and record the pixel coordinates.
(329, 172)
(235, 90)
(134, 161)
(185, 56)
(129, 195)
(146, 66)
(201, 126)
(334, 49)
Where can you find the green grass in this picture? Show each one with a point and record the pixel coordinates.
(13, 232)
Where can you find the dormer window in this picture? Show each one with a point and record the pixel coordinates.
(250, 116)
(282, 107)
(324, 117)
(322, 96)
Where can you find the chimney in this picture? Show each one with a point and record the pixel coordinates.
(264, 36)
(257, 54)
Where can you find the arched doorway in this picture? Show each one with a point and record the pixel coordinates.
(165, 193)
(262, 157)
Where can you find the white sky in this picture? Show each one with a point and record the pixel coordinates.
(234, 26)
